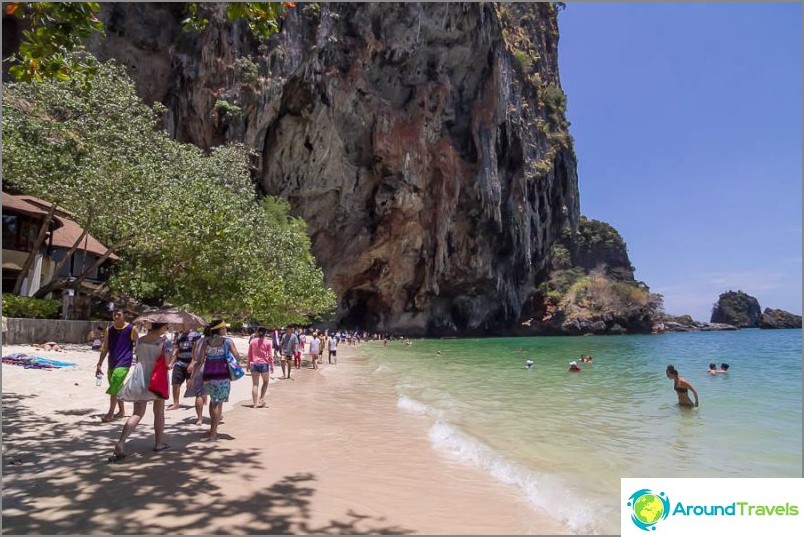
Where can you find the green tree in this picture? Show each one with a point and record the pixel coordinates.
(57, 29)
(189, 227)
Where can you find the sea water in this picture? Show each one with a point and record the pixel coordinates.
(565, 439)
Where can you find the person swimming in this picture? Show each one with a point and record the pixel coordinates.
(724, 368)
(713, 369)
(682, 387)
(529, 364)
(574, 367)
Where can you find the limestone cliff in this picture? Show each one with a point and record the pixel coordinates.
(590, 287)
(424, 144)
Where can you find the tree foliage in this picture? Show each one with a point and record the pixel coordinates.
(189, 227)
(56, 29)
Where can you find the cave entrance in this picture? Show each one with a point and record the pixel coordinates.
(362, 309)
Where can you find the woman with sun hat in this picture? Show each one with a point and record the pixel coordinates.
(217, 385)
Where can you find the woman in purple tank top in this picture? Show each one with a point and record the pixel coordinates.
(216, 372)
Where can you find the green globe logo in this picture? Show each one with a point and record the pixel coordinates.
(648, 508)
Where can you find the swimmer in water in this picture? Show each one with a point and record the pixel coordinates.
(574, 367)
(529, 364)
(682, 387)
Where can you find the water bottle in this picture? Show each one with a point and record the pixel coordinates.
(98, 379)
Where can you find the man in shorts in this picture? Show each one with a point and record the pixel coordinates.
(119, 339)
(288, 346)
(333, 349)
(315, 350)
(181, 358)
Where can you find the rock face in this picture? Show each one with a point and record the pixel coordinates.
(685, 323)
(425, 144)
(590, 288)
(596, 244)
(779, 319)
(738, 309)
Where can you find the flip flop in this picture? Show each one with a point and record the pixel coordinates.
(117, 457)
(163, 447)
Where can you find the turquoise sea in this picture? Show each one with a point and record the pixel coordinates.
(565, 439)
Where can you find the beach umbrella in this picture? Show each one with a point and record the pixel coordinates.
(172, 316)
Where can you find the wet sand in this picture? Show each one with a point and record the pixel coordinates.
(331, 454)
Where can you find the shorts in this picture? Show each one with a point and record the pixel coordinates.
(259, 368)
(218, 390)
(333, 353)
(287, 358)
(180, 373)
(117, 377)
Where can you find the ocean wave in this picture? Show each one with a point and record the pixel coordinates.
(548, 492)
(414, 407)
(383, 369)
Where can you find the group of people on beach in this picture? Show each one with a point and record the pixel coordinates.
(202, 361)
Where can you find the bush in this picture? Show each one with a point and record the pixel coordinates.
(30, 308)
(522, 61)
(247, 71)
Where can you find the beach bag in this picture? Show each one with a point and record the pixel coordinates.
(159, 378)
(235, 371)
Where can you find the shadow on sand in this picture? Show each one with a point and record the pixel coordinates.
(56, 481)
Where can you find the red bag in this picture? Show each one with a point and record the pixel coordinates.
(159, 378)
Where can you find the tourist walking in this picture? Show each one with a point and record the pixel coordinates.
(180, 360)
(682, 387)
(216, 372)
(149, 348)
(333, 349)
(288, 346)
(260, 364)
(297, 356)
(118, 344)
(195, 380)
(315, 350)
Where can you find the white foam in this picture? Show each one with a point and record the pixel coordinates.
(383, 369)
(414, 407)
(547, 492)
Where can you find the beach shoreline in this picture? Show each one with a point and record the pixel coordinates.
(331, 453)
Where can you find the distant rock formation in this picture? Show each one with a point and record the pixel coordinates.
(779, 319)
(685, 323)
(737, 308)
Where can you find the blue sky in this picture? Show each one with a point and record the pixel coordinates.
(687, 121)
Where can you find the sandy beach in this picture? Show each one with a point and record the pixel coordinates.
(331, 454)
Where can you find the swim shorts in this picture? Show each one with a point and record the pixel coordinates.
(180, 373)
(117, 377)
